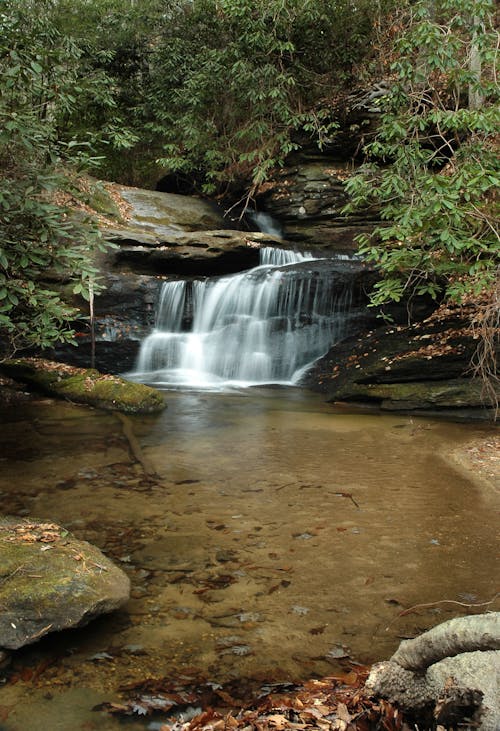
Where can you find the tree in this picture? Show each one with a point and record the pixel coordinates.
(40, 242)
(433, 168)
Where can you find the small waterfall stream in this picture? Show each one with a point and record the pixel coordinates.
(262, 326)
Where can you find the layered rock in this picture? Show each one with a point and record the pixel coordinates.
(308, 198)
(424, 366)
(169, 234)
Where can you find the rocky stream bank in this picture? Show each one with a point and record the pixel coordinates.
(424, 366)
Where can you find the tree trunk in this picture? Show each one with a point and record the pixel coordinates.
(475, 96)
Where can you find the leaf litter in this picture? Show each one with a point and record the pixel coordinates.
(335, 703)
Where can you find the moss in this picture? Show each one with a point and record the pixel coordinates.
(100, 201)
(456, 393)
(86, 385)
(43, 591)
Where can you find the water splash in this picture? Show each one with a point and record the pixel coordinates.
(266, 325)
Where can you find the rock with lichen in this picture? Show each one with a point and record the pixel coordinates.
(85, 385)
(50, 581)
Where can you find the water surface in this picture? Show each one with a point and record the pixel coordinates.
(279, 536)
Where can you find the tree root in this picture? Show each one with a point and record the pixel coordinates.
(449, 675)
(462, 634)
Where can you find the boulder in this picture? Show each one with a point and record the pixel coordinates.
(85, 385)
(50, 581)
(163, 213)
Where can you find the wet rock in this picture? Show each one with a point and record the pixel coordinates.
(49, 581)
(428, 395)
(124, 313)
(424, 366)
(85, 385)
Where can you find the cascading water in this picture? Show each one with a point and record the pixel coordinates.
(262, 326)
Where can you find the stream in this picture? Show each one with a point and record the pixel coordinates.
(281, 540)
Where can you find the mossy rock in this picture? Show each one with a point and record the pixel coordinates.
(50, 581)
(451, 394)
(85, 385)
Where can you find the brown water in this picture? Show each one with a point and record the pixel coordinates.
(278, 536)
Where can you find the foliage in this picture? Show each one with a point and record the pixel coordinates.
(115, 39)
(214, 89)
(233, 80)
(433, 167)
(39, 241)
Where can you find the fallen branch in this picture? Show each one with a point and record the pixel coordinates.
(447, 675)
(462, 634)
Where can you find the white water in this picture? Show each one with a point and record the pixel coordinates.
(263, 326)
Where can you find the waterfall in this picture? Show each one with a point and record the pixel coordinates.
(266, 223)
(262, 326)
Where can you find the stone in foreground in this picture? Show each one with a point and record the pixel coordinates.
(50, 581)
(449, 675)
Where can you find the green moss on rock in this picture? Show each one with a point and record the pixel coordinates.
(86, 385)
(44, 590)
(99, 199)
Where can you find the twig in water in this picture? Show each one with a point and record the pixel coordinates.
(41, 632)
(442, 601)
(3, 579)
(348, 496)
(135, 447)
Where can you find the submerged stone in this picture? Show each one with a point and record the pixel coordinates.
(86, 385)
(50, 581)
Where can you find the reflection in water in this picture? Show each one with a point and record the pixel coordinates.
(278, 536)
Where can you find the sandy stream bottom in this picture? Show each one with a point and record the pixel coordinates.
(280, 540)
